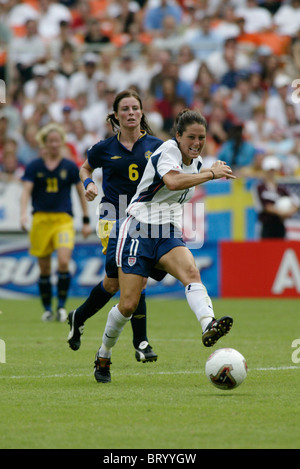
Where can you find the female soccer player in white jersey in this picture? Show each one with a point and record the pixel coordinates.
(151, 234)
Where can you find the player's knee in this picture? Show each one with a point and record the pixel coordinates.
(129, 305)
(192, 274)
(111, 285)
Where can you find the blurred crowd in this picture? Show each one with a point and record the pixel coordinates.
(237, 61)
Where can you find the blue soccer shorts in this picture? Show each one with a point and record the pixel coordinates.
(140, 247)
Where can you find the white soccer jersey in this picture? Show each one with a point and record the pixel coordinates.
(153, 202)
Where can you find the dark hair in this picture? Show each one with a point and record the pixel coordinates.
(127, 94)
(188, 117)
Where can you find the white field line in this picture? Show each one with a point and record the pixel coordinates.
(183, 372)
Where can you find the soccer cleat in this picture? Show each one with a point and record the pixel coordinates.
(61, 315)
(215, 330)
(102, 370)
(144, 353)
(76, 331)
(47, 316)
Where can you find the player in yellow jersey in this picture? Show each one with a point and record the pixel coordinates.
(47, 182)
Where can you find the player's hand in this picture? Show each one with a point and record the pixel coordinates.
(86, 230)
(24, 223)
(91, 192)
(222, 170)
(218, 163)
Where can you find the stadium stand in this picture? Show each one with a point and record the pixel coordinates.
(235, 60)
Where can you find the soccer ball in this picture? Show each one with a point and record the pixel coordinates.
(226, 368)
(284, 204)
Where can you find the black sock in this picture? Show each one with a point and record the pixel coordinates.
(45, 288)
(63, 285)
(139, 322)
(96, 300)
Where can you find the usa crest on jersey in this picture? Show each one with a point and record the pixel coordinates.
(131, 261)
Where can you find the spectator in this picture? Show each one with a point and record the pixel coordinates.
(19, 13)
(93, 36)
(107, 60)
(276, 102)
(126, 74)
(284, 147)
(292, 66)
(270, 64)
(28, 148)
(123, 12)
(154, 117)
(11, 169)
(56, 80)
(10, 108)
(219, 123)
(85, 80)
(81, 110)
(183, 88)
(243, 101)
(256, 18)
(256, 85)
(51, 16)
(26, 51)
(81, 15)
(205, 79)
(287, 18)
(132, 42)
(164, 58)
(63, 112)
(188, 64)
(293, 127)
(237, 152)
(37, 110)
(154, 16)
(203, 40)
(170, 36)
(266, 193)
(259, 128)
(99, 110)
(81, 138)
(164, 105)
(37, 83)
(65, 36)
(227, 26)
(230, 57)
(67, 65)
(150, 64)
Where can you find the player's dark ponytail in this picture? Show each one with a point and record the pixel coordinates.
(188, 117)
(111, 118)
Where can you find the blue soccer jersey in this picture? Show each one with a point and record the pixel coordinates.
(52, 188)
(122, 170)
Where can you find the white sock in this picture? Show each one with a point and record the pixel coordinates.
(114, 326)
(200, 303)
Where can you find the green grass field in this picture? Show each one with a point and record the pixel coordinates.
(50, 399)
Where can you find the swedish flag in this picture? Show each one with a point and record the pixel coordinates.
(229, 210)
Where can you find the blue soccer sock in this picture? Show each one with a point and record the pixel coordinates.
(139, 322)
(45, 289)
(96, 300)
(63, 285)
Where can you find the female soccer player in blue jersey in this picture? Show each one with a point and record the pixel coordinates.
(47, 181)
(123, 159)
(151, 235)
